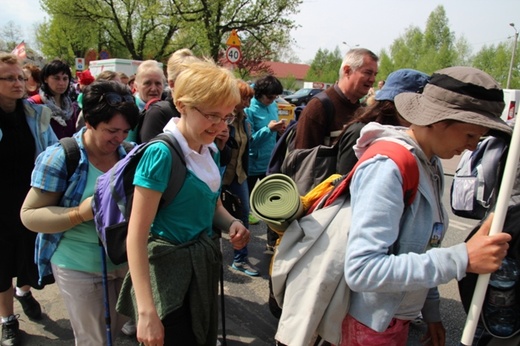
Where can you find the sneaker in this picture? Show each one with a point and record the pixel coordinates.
(246, 268)
(253, 220)
(129, 328)
(30, 306)
(11, 332)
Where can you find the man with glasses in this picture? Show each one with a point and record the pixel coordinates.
(24, 133)
(357, 75)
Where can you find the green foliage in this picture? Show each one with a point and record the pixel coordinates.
(137, 29)
(10, 36)
(438, 48)
(325, 66)
(262, 21)
(496, 62)
(289, 83)
(153, 29)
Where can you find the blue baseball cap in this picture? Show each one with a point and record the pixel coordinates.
(403, 80)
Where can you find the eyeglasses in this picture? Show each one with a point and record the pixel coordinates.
(271, 97)
(215, 119)
(115, 99)
(14, 79)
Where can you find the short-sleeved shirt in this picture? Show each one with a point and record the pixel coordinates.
(79, 247)
(192, 210)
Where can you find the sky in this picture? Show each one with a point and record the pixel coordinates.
(372, 24)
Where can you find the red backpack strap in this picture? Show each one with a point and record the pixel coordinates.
(151, 102)
(404, 160)
(37, 99)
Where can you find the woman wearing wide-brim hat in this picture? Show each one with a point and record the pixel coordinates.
(394, 261)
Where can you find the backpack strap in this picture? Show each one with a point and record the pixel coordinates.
(404, 160)
(328, 106)
(127, 146)
(178, 172)
(37, 99)
(151, 102)
(72, 154)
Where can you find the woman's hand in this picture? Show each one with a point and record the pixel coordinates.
(150, 330)
(486, 252)
(238, 235)
(277, 126)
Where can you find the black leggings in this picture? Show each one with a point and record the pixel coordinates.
(177, 327)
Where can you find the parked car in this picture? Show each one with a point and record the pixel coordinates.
(302, 96)
(285, 109)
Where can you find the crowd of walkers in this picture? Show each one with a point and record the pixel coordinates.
(167, 292)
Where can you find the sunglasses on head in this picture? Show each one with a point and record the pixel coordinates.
(115, 99)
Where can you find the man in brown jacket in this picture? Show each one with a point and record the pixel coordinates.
(357, 75)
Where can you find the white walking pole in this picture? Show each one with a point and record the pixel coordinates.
(497, 224)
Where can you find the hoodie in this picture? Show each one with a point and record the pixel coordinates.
(393, 260)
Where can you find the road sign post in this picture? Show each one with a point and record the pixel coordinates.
(80, 64)
(233, 53)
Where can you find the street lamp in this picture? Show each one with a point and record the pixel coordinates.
(512, 57)
(349, 46)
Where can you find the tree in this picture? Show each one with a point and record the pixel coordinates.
(325, 66)
(10, 36)
(263, 21)
(495, 61)
(426, 51)
(137, 29)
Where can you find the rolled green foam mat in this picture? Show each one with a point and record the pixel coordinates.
(276, 201)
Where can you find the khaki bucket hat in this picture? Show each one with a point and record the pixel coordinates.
(458, 93)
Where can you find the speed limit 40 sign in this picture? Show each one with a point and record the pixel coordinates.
(233, 54)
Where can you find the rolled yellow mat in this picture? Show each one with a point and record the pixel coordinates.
(276, 201)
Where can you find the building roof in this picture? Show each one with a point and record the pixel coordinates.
(284, 70)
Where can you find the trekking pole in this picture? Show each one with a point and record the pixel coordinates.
(105, 296)
(222, 310)
(497, 224)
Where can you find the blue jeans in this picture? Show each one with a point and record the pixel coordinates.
(242, 192)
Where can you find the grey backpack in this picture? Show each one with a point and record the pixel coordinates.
(477, 178)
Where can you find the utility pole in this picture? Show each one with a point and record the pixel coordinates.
(512, 57)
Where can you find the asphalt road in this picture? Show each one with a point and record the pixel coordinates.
(248, 320)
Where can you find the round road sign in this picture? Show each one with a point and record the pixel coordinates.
(233, 54)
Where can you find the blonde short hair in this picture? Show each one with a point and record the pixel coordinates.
(178, 62)
(107, 75)
(146, 67)
(10, 59)
(205, 83)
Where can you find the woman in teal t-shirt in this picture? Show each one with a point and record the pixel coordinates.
(173, 253)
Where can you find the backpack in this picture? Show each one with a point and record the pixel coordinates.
(308, 264)
(285, 144)
(141, 117)
(113, 195)
(477, 178)
(309, 167)
(467, 284)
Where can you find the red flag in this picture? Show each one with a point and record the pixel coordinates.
(19, 51)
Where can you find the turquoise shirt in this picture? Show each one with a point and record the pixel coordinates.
(79, 247)
(192, 210)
